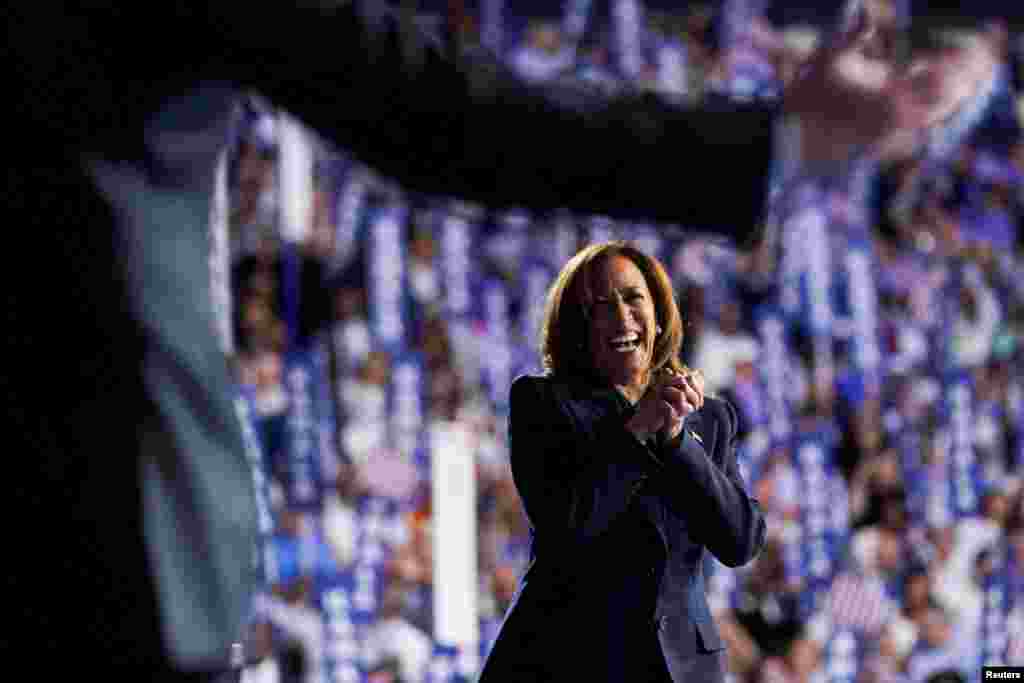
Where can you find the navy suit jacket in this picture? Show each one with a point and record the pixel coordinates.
(619, 532)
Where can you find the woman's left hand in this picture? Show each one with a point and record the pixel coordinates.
(684, 393)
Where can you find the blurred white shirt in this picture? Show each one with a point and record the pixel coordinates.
(955, 587)
(972, 339)
(340, 528)
(717, 354)
(303, 624)
(265, 671)
(396, 637)
(536, 66)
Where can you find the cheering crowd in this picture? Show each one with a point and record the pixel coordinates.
(870, 344)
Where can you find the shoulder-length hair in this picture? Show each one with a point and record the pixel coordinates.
(564, 328)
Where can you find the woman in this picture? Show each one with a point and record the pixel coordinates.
(627, 473)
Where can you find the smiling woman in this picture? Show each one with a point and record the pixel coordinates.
(627, 474)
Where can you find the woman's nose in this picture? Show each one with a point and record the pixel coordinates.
(622, 313)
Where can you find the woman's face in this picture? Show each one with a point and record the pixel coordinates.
(622, 324)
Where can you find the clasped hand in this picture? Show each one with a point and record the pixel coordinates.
(669, 398)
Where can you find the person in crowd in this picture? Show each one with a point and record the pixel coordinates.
(938, 650)
(351, 330)
(857, 597)
(543, 56)
(801, 664)
(767, 607)
(148, 563)
(339, 514)
(721, 346)
(290, 609)
(622, 497)
(392, 637)
(957, 587)
(262, 665)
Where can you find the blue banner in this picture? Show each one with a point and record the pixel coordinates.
(821, 542)
(862, 303)
(407, 404)
(801, 214)
(456, 244)
(348, 219)
(245, 409)
(774, 373)
(997, 603)
(497, 362)
(326, 410)
(915, 475)
(302, 438)
(341, 635)
(628, 20)
(964, 475)
(536, 279)
(386, 275)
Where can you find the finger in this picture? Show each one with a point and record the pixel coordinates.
(669, 414)
(675, 400)
(682, 401)
(693, 397)
(673, 423)
(696, 381)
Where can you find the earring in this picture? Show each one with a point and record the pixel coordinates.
(657, 331)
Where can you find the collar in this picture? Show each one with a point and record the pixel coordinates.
(596, 388)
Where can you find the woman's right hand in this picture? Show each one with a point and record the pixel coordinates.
(668, 400)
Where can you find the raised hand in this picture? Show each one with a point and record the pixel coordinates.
(669, 398)
(852, 97)
(684, 393)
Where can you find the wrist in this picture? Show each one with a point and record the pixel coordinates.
(806, 147)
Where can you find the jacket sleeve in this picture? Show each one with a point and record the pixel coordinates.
(571, 493)
(708, 491)
(436, 119)
(461, 123)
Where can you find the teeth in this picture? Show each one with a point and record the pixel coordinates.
(625, 343)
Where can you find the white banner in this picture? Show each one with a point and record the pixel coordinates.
(453, 501)
(296, 179)
(220, 257)
(627, 16)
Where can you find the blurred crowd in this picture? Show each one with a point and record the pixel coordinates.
(871, 344)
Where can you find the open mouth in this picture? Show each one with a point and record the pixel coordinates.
(626, 343)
